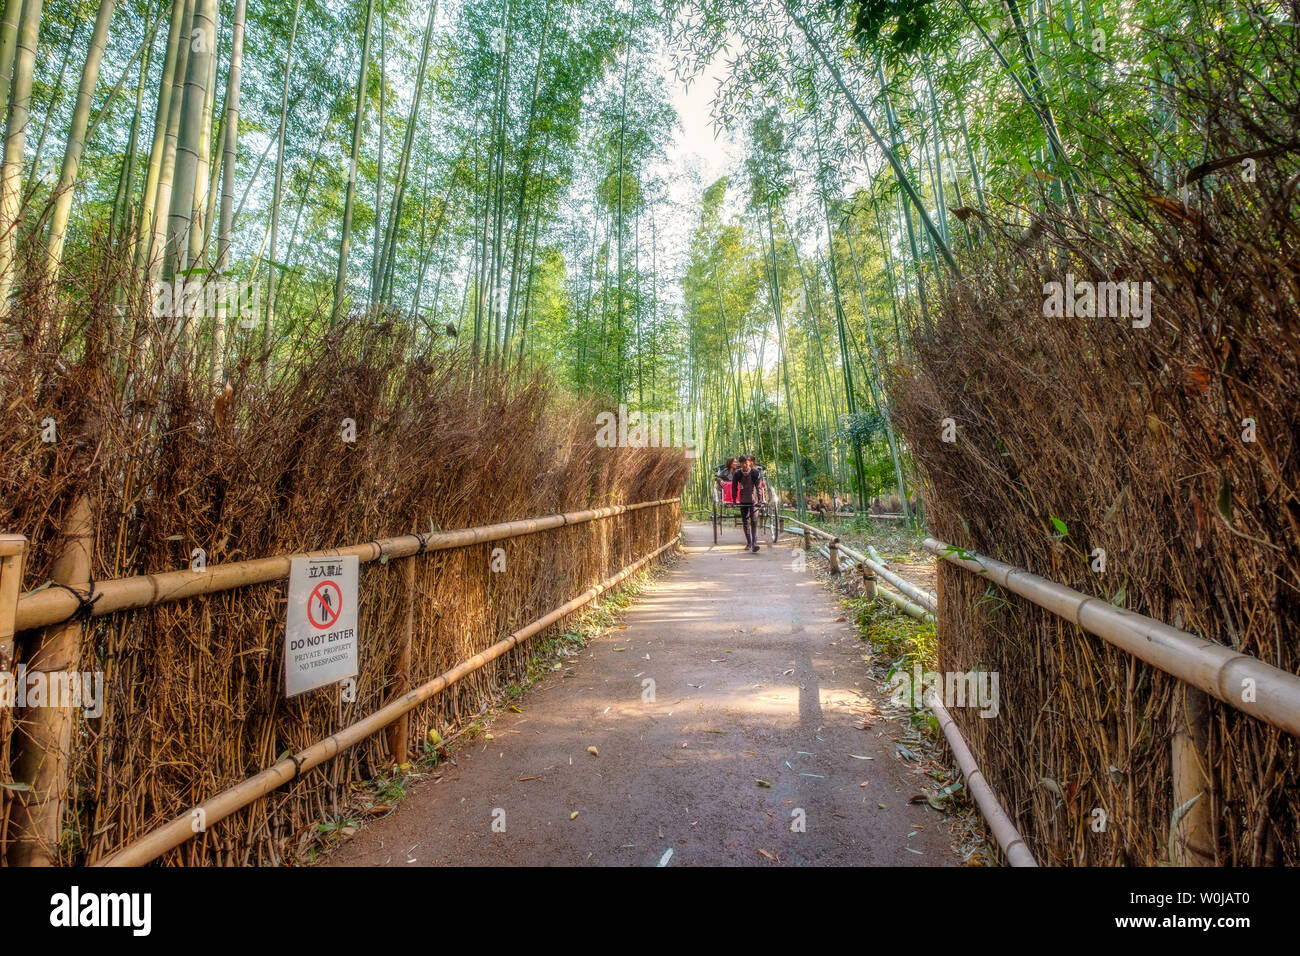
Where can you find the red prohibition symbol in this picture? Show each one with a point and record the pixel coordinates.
(324, 605)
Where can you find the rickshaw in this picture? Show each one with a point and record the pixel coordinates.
(767, 516)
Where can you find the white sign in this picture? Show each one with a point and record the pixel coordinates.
(320, 629)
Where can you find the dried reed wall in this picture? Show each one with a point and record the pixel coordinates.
(1133, 437)
(195, 688)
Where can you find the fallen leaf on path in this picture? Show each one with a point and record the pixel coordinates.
(764, 784)
(529, 778)
(929, 799)
(573, 815)
(771, 856)
(593, 751)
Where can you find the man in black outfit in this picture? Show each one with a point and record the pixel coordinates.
(747, 491)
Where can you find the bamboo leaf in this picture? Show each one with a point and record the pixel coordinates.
(1224, 500)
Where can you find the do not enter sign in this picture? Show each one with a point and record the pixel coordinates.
(325, 605)
(320, 631)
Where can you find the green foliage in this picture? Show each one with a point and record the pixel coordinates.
(894, 28)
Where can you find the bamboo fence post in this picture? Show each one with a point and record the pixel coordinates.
(1191, 840)
(44, 737)
(398, 732)
(834, 551)
(12, 547)
(868, 582)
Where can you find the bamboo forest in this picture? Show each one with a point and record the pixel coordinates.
(693, 432)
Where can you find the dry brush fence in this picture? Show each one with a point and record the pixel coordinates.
(194, 688)
(1137, 440)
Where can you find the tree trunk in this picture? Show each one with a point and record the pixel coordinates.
(11, 173)
(268, 320)
(203, 38)
(345, 239)
(904, 181)
(145, 229)
(389, 251)
(76, 143)
(228, 185)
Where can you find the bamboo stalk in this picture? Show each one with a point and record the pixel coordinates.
(809, 528)
(1225, 674)
(217, 808)
(48, 606)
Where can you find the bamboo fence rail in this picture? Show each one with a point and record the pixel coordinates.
(1001, 825)
(1218, 670)
(284, 771)
(160, 786)
(922, 602)
(51, 605)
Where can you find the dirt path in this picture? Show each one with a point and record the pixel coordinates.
(756, 678)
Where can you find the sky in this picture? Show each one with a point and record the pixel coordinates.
(695, 143)
(694, 159)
